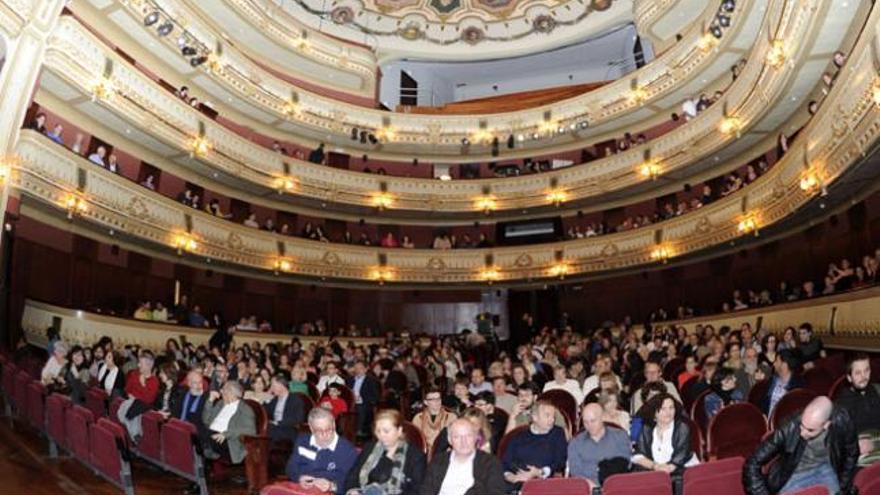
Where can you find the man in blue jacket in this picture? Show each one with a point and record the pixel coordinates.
(538, 452)
(322, 459)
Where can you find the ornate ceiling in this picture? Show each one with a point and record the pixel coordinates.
(449, 29)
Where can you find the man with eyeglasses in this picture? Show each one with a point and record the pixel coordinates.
(817, 447)
(322, 459)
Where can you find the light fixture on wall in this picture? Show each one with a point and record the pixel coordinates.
(776, 53)
(285, 184)
(199, 147)
(748, 225)
(557, 197)
(382, 274)
(486, 204)
(490, 274)
(282, 265)
(560, 269)
(151, 18)
(185, 243)
(661, 253)
(75, 206)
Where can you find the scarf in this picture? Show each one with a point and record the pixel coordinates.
(394, 485)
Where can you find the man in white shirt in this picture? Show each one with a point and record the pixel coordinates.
(330, 376)
(503, 399)
(98, 156)
(227, 419)
(464, 468)
(478, 382)
(562, 382)
(653, 374)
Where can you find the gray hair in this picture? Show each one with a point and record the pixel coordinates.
(319, 413)
(234, 388)
(60, 347)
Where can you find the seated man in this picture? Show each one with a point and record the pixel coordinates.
(538, 452)
(52, 372)
(285, 410)
(522, 410)
(596, 443)
(785, 379)
(227, 420)
(653, 374)
(188, 402)
(322, 459)
(861, 399)
(485, 401)
(466, 469)
(817, 447)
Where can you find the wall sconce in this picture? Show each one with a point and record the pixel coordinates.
(482, 136)
(103, 89)
(776, 53)
(637, 95)
(386, 134)
(185, 242)
(199, 147)
(557, 197)
(661, 254)
(383, 200)
(650, 169)
(707, 42)
(748, 225)
(490, 274)
(809, 182)
(560, 270)
(382, 274)
(282, 265)
(730, 125)
(75, 206)
(283, 184)
(486, 203)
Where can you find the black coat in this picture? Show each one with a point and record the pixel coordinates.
(370, 390)
(293, 416)
(786, 446)
(488, 478)
(177, 399)
(862, 406)
(681, 444)
(413, 470)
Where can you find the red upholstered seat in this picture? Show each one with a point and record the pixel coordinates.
(96, 401)
(9, 371)
(868, 480)
(789, 404)
(289, 488)
(113, 409)
(558, 486)
(837, 387)
(819, 380)
(673, 368)
(110, 454)
(57, 406)
(835, 364)
(179, 441)
(505, 440)
(36, 410)
(414, 436)
(150, 445)
(78, 420)
(718, 478)
(22, 380)
(653, 482)
(697, 437)
(698, 412)
(565, 403)
(758, 392)
(735, 431)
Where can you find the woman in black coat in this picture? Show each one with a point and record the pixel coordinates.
(664, 443)
(391, 465)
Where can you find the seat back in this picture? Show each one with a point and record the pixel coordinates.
(697, 437)
(505, 440)
(113, 409)
(9, 371)
(150, 445)
(758, 392)
(78, 422)
(698, 412)
(22, 379)
(565, 403)
(790, 403)
(673, 368)
(260, 416)
(819, 380)
(179, 439)
(557, 486)
(57, 406)
(96, 401)
(414, 436)
(307, 402)
(36, 410)
(837, 387)
(868, 477)
(718, 478)
(107, 449)
(653, 482)
(736, 430)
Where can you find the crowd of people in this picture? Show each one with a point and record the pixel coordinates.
(464, 394)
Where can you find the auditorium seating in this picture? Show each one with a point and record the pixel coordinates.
(819, 380)
(8, 380)
(414, 436)
(109, 454)
(181, 453)
(735, 431)
(113, 409)
(150, 445)
(758, 392)
(57, 406)
(19, 392)
(77, 421)
(505, 440)
(557, 486)
(256, 463)
(722, 477)
(566, 404)
(789, 404)
(96, 401)
(698, 412)
(653, 482)
(36, 397)
(838, 386)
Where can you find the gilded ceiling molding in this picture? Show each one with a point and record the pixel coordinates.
(48, 173)
(314, 113)
(76, 56)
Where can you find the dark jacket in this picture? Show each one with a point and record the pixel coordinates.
(329, 464)
(796, 381)
(293, 415)
(787, 446)
(862, 406)
(194, 416)
(488, 478)
(681, 444)
(370, 390)
(413, 470)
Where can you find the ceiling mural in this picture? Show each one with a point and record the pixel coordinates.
(449, 22)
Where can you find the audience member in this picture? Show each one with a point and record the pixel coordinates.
(664, 443)
(227, 417)
(285, 411)
(861, 400)
(538, 452)
(322, 459)
(597, 443)
(433, 418)
(390, 465)
(466, 470)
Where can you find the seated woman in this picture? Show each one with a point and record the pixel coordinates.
(76, 375)
(612, 412)
(390, 465)
(434, 417)
(258, 391)
(724, 392)
(664, 443)
(110, 377)
(52, 374)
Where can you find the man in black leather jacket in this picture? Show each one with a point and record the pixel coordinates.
(804, 446)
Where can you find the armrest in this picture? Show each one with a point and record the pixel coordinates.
(256, 462)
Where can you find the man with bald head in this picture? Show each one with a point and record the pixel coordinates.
(819, 446)
(466, 469)
(595, 444)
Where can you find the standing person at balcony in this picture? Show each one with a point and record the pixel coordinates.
(317, 155)
(98, 156)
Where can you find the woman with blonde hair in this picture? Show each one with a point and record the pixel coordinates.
(390, 465)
